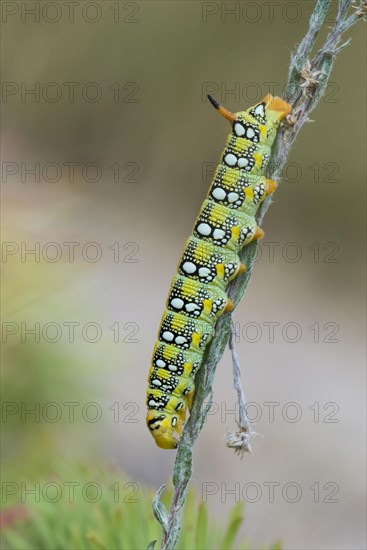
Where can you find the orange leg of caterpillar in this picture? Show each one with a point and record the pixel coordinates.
(259, 233)
(189, 398)
(271, 186)
(180, 422)
(241, 269)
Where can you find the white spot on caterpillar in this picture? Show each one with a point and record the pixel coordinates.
(189, 267)
(204, 229)
(156, 382)
(174, 421)
(250, 133)
(242, 162)
(230, 159)
(161, 364)
(218, 234)
(239, 129)
(153, 403)
(233, 197)
(218, 193)
(259, 110)
(191, 307)
(172, 368)
(204, 271)
(167, 335)
(177, 303)
(180, 340)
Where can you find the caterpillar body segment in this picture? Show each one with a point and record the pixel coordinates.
(208, 263)
(224, 227)
(197, 297)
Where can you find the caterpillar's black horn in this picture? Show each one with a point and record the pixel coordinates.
(215, 103)
(222, 110)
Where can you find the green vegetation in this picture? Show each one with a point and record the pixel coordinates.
(99, 509)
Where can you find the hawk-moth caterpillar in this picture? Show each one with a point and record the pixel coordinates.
(210, 260)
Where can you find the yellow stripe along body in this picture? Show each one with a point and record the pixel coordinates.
(225, 224)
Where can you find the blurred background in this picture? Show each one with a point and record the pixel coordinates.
(108, 148)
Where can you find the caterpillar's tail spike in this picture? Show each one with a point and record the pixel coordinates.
(222, 110)
(213, 101)
(241, 269)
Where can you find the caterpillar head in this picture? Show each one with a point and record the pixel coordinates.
(162, 427)
(277, 106)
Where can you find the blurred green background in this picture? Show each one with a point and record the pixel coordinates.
(122, 142)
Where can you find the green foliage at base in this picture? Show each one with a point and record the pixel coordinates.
(100, 510)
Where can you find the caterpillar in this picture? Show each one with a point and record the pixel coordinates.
(197, 297)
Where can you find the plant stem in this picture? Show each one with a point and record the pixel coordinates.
(307, 81)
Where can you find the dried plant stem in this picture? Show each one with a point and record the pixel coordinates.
(239, 441)
(307, 81)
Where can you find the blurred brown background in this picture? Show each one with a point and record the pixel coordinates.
(124, 140)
